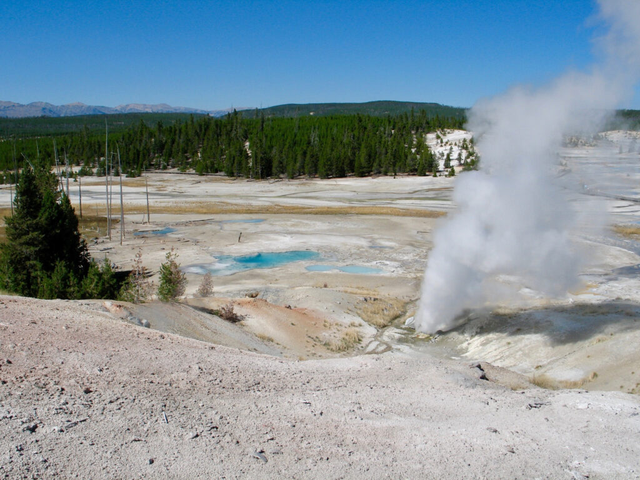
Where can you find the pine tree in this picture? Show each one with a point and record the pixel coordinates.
(45, 255)
(172, 281)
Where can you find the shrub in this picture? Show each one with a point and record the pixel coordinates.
(172, 281)
(100, 281)
(227, 313)
(85, 171)
(206, 287)
(136, 288)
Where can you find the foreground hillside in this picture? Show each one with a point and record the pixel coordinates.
(83, 394)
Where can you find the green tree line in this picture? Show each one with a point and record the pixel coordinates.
(262, 147)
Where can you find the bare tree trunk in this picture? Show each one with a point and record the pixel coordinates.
(121, 201)
(66, 162)
(146, 184)
(111, 185)
(15, 163)
(106, 176)
(55, 152)
(80, 193)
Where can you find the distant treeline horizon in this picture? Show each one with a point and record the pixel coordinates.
(289, 140)
(239, 144)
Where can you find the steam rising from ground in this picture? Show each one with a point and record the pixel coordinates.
(513, 219)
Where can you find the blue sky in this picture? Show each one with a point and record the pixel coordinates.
(220, 54)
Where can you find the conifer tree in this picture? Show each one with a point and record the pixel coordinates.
(172, 281)
(45, 255)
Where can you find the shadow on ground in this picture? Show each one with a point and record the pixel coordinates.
(559, 324)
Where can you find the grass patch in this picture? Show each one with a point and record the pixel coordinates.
(632, 231)
(350, 338)
(92, 226)
(214, 208)
(265, 338)
(379, 312)
(546, 382)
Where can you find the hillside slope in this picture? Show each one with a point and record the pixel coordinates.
(82, 394)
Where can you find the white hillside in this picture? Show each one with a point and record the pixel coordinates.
(455, 143)
(626, 141)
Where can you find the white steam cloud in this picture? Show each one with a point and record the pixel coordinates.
(512, 217)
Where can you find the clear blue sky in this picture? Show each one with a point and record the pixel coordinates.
(218, 54)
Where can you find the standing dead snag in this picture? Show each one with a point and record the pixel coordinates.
(137, 288)
(206, 287)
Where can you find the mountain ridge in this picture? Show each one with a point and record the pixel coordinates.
(10, 109)
(378, 108)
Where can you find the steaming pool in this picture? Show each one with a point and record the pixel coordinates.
(242, 220)
(229, 264)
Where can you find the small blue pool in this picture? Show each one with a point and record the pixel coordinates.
(228, 265)
(357, 269)
(163, 231)
(247, 220)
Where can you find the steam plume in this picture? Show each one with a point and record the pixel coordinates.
(512, 218)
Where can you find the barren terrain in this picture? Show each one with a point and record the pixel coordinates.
(321, 379)
(86, 396)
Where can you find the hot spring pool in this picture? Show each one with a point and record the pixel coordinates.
(163, 231)
(228, 265)
(243, 220)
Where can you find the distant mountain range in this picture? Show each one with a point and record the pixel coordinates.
(376, 108)
(44, 109)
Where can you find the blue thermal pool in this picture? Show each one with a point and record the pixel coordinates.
(163, 231)
(247, 220)
(228, 265)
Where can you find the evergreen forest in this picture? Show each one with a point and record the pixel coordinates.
(250, 145)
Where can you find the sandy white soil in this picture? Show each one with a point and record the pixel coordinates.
(83, 395)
